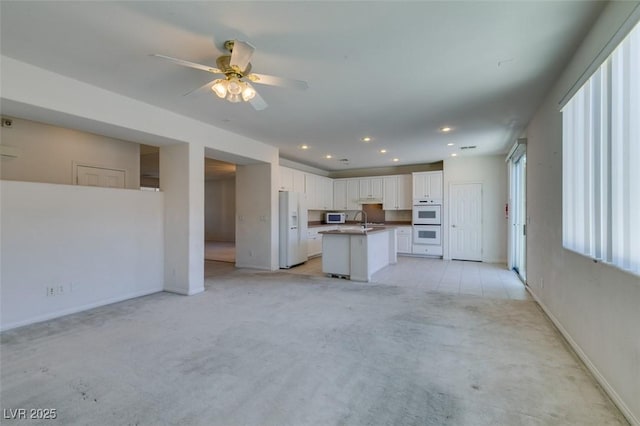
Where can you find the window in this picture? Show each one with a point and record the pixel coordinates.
(601, 161)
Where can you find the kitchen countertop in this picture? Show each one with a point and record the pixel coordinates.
(357, 230)
(350, 223)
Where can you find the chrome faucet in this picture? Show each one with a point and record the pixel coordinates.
(364, 217)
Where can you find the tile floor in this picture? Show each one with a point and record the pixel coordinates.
(447, 276)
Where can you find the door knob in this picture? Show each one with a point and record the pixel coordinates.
(453, 226)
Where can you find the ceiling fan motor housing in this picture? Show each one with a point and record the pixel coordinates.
(224, 64)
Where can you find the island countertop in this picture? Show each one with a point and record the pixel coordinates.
(356, 230)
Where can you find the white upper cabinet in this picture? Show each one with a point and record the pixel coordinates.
(291, 180)
(353, 193)
(326, 193)
(371, 188)
(298, 181)
(428, 185)
(346, 193)
(319, 191)
(397, 193)
(286, 179)
(340, 194)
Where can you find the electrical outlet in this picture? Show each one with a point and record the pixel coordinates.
(51, 291)
(61, 289)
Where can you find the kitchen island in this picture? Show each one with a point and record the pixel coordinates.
(357, 253)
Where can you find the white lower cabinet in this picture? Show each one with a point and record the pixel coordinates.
(314, 239)
(403, 235)
(427, 249)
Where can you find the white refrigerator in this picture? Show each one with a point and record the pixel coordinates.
(293, 229)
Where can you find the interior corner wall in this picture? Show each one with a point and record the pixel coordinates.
(220, 210)
(595, 306)
(491, 171)
(92, 246)
(48, 153)
(182, 181)
(256, 216)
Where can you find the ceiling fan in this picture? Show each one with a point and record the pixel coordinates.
(236, 86)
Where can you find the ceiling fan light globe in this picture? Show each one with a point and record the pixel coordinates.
(234, 86)
(220, 88)
(234, 97)
(248, 93)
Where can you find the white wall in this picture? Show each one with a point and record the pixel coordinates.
(220, 210)
(257, 236)
(48, 153)
(35, 93)
(595, 306)
(182, 181)
(491, 172)
(102, 245)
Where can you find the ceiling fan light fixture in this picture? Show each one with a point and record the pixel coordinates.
(234, 86)
(248, 92)
(220, 88)
(234, 97)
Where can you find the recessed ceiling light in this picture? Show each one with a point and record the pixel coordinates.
(445, 129)
(383, 151)
(450, 144)
(454, 155)
(328, 156)
(366, 139)
(304, 146)
(395, 160)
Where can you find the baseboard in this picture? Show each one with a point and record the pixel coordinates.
(76, 309)
(630, 416)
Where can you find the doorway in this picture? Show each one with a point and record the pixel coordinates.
(220, 211)
(465, 234)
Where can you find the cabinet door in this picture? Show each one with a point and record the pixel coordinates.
(326, 193)
(427, 185)
(403, 192)
(435, 185)
(311, 191)
(340, 194)
(353, 193)
(420, 185)
(376, 187)
(371, 187)
(365, 188)
(286, 179)
(390, 198)
(404, 243)
(298, 181)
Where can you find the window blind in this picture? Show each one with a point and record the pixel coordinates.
(601, 161)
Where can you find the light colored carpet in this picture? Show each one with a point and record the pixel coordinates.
(220, 251)
(283, 349)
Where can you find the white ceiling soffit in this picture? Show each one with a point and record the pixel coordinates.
(394, 71)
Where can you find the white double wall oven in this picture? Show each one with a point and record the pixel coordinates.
(427, 227)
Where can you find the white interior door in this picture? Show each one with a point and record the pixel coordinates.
(465, 233)
(97, 176)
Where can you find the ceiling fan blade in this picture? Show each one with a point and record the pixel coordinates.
(258, 103)
(201, 88)
(190, 64)
(241, 55)
(278, 81)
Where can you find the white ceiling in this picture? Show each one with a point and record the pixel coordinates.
(395, 71)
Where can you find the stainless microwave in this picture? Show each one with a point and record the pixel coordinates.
(335, 217)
